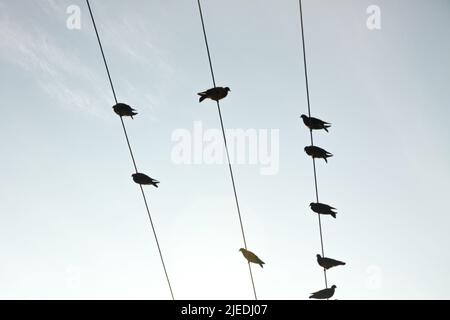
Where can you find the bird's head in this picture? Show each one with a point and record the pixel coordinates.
(227, 89)
(306, 149)
(303, 116)
(311, 204)
(241, 249)
(333, 287)
(318, 256)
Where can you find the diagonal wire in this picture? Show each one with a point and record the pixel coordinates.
(131, 151)
(311, 134)
(226, 146)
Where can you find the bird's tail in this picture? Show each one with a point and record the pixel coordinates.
(333, 214)
(311, 296)
(155, 184)
(325, 158)
(325, 128)
(262, 264)
(341, 263)
(202, 96)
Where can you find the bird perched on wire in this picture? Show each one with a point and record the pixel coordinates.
(215, 94)
(323, 294)
(322, 208)
(141, 178)
(124, 110)
(251, 257)
(317, 152)
(328, 263)
(314, 123)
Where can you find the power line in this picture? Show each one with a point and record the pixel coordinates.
(311, 135)
(226, 146)
(131, 151)
(101, 49)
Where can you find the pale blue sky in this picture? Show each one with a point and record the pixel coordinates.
(73, 225)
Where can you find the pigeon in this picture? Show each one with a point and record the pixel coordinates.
(141, 178)
(215, 94)
(251, 257)
(317, 152)
(314, 123)
(328, 263)
(322, 208)
(124, 110)
(323, 294)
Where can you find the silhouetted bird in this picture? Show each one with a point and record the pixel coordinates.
(322, 208)
(251, 257)
(215, 94)
(141, 178)
(328, 263)
(124, 110)
(314, 123)
(317, 152)
(323, 294)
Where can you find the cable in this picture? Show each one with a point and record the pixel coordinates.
(226, 146)
(311, 134)
(101, 49)
(131, 151)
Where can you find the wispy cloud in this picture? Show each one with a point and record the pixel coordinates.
(34, 44)
(59, 73)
